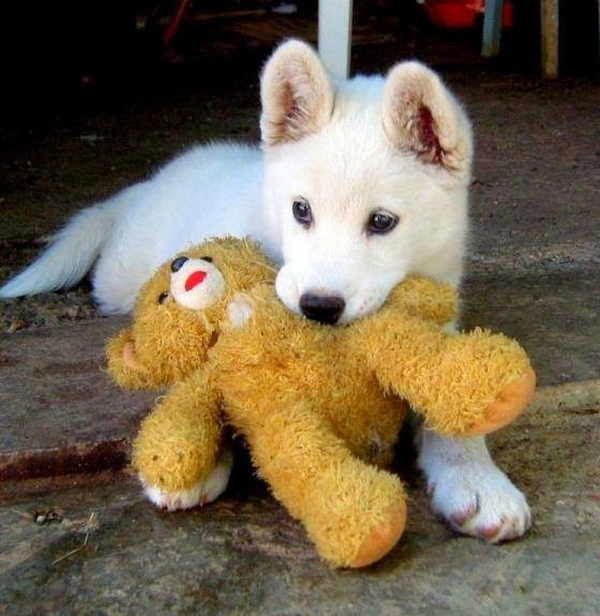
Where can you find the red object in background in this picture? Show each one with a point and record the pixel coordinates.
(462, 13)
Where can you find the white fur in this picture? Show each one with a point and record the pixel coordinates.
(336, 257)
(205, 491)
(349, 149)
(470, 491)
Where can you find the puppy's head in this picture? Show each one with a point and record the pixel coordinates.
(365, 182)
(180, 310)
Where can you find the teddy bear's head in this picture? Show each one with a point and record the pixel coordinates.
(179, 311)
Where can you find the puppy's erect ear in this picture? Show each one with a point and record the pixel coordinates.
(421, 115)
(296, 94)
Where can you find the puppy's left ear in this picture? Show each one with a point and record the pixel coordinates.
(296, 94)
(422, 116)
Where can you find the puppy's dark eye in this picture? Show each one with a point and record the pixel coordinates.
(209, 259)
(162, 298)
(302, 212)
(381, 222)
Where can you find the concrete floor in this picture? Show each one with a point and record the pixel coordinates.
(76, 537)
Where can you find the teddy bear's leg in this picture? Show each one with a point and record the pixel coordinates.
(467, 384)
(510, 401)
(478, 382)
(354, 512)
(208, 489)
(178, 451)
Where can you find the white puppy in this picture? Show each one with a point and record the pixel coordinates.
(358, 184)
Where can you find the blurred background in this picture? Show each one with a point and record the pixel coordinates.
(64, 57)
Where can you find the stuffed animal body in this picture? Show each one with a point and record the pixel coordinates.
(319, 406)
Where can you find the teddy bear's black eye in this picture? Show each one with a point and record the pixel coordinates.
(177, 264)
(209, 259)
(162, 298)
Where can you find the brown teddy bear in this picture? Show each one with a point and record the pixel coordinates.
(319, 406)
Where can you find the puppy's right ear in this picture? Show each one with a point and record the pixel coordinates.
(421, 116)
(124, 366)
(296, 93)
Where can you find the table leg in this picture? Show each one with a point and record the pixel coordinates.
(335, 35)
(549, 10)
(492, 28)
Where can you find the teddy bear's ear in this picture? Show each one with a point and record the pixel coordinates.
(124, 366)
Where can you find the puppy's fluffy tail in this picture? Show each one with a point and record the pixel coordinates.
(70, 255)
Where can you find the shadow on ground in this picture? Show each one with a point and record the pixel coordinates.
(109, 551)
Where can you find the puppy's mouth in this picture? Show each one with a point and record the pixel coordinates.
(336, 312)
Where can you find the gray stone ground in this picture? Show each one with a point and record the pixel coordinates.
(76, 537)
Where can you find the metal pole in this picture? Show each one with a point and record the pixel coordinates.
(492, 28)
(550, 38)
(335, 35)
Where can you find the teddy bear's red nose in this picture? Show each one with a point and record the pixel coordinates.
(195, 278)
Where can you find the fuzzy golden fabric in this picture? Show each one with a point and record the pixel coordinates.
(320, 406)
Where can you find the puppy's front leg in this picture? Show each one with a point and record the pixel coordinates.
(469, 491)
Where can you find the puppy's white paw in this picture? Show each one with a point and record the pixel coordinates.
(482, 503)
(205, 491)
(239, 310)
(470, 492)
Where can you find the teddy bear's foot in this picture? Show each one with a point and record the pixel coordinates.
(205, 491)
(509, 404)
(383, 538)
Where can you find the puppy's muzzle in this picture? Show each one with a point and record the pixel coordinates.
(324, 309)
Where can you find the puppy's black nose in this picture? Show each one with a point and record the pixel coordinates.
(324, 309)
(177, 264)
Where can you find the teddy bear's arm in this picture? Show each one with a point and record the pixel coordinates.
(180, 441)
(123, 365)
(353, 511)
(424, 298)
(463, 384)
